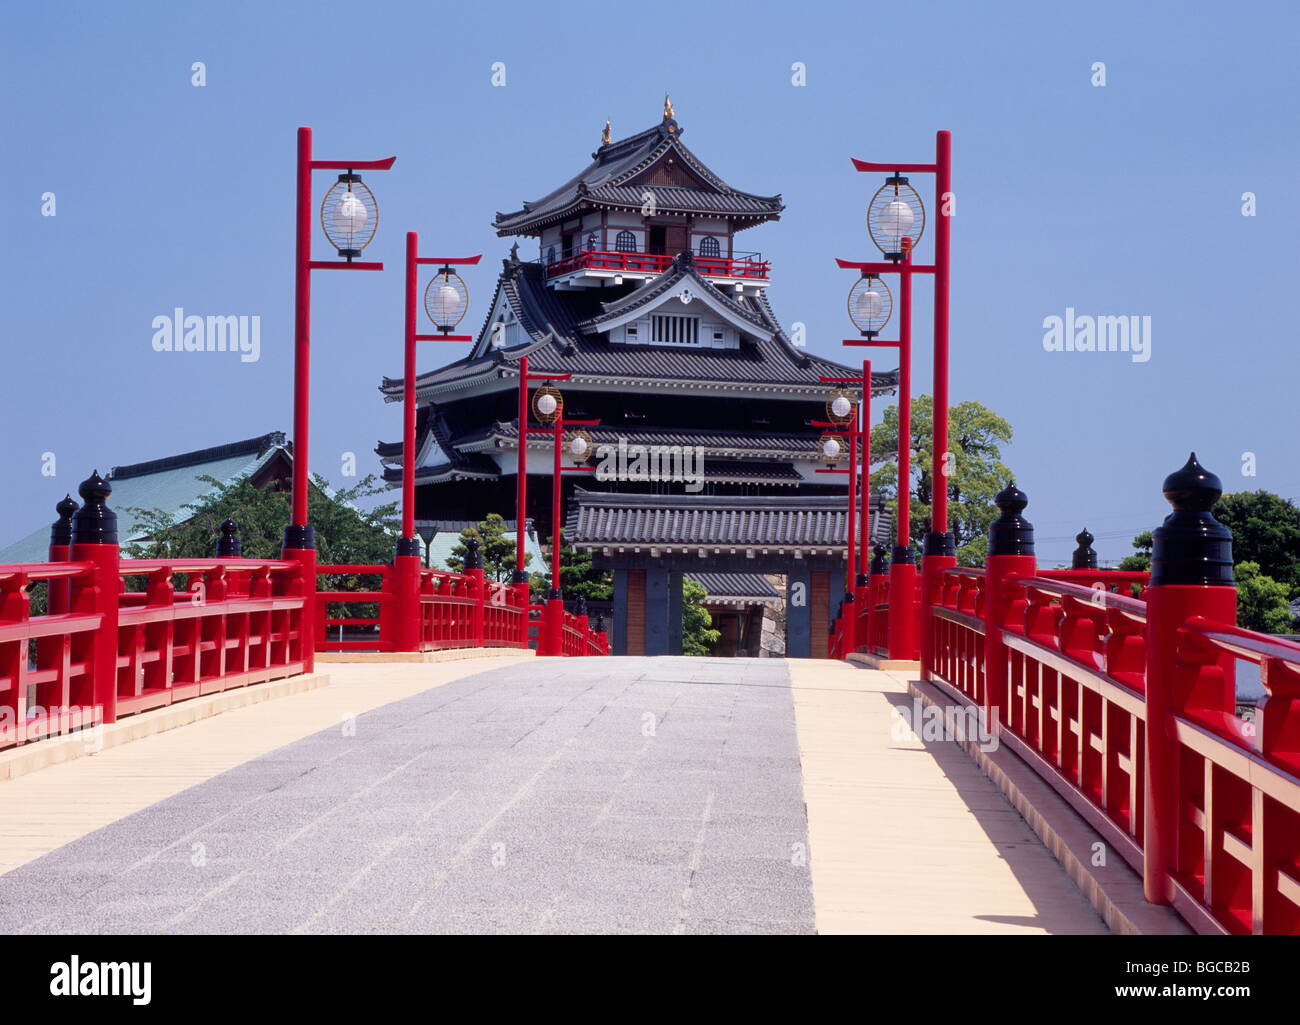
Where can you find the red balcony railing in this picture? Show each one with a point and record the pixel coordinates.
(742, 265)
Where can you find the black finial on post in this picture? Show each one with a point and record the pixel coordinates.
(228, 544)
(1191, 546)
(1084, 557)
(939, 543)
(94, 523)
(600, 623)
(61, 529)
(473, 557)
(582, 606)
(879, 564)
(1011, 533)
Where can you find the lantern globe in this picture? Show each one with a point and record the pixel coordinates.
(895, 212)
(830, 449)
(446, 300)
(548, 404)
(870, 305)
(349, 215)
(841, 406)
(578, 445)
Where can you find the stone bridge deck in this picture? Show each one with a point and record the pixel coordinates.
(673, 795)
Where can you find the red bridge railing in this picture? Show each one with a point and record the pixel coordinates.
(121, 636)
(1127, 706)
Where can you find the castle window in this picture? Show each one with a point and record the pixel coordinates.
(709, 246)
(625, 242)
(667, 329)
(591, 241)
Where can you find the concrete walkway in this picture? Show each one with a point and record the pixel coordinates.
(909, 836)
(576, 795)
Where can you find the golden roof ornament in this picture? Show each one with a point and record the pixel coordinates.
(668, 108)
(606, 137)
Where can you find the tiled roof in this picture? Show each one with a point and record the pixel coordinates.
(170, 483)
(605, 182)
(551, 318)
(735, 585)
(681, 269)
(597, 520)
(758, 441)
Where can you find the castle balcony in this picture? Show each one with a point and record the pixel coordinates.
(593, 268)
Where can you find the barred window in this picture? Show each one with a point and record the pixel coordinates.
(709, 246)
(668, 329)
(625, 242)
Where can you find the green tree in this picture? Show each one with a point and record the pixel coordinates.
(344, 533)
(698, 635)
(1265, 530)
(498, 551)
(1139, 561)
(1261, 601)
(975, 437)
(578, 578)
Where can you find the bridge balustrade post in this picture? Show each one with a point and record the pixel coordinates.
(1011, 551)
(94, 539)
(938, 554)
(300, 547)
(229, 546)
(582, 623)
(1083, 557)
(405, 616)
(1191, 575)
(902, 595)
(878, 579)
(56, 601)
(478, 590)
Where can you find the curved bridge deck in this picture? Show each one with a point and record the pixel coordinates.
(672, 795)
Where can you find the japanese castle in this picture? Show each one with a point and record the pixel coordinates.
(639, 289)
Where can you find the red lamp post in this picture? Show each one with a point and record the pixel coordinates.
(548, 408)
(349, 217)
(446, 300)
(896, 215)
(856, 584)
(937, 548)
(902, 569)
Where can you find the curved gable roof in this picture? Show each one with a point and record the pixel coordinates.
(613, 179)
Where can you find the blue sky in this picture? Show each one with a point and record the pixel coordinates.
(1120, 200)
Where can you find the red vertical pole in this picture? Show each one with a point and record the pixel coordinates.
(302, 328)
(551, 634)
(852, 540)
(521, 481)
(555, 512)
(521, 504)
(862, 593)
(299, 538)
(902, 570)
(849, 608)
(939, 550)
(408, 390)
(864, 538)
(905, 398)
(405, 618)
(942, 236)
